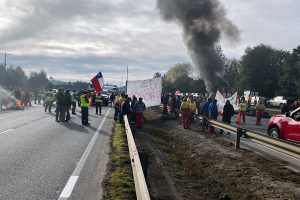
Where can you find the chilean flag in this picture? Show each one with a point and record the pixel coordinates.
(98, 82)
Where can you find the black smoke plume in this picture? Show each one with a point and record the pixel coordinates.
(203, 22)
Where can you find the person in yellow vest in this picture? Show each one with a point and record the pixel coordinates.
(118, 105)
(185, 112)
(243, 107)
(98, 102)
(85, 104)
(193, 108)
(74, 101)
(260, 108)
(49, 97)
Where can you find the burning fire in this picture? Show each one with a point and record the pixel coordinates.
(19, 105)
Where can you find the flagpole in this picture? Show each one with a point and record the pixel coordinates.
(126, 79)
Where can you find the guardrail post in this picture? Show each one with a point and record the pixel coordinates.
(144, 161)
(204, 123)
(239, 133)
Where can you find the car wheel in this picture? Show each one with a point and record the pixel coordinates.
(274, 132)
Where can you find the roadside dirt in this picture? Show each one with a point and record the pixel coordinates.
(187, 164)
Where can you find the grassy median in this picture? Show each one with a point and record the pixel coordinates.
(121, 184)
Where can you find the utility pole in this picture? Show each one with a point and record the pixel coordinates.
(4, 74)
(127, 79)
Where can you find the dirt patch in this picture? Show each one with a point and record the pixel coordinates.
(188, 164)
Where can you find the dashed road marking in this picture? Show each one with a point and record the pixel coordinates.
(8, 130)
(67, 191)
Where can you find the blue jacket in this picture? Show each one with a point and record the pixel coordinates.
(205, 109)
(213, 110)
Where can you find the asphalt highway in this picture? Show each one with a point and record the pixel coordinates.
(43, 159)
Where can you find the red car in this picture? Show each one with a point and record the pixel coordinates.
(286, 126)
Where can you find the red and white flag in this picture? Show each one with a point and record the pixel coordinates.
(98, 82)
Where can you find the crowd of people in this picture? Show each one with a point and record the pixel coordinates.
(207, 107)
(132, 107)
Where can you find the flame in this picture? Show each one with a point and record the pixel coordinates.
(19, 105)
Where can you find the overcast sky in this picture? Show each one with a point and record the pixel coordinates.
(74, 39)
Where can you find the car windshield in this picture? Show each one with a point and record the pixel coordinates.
(104, 92)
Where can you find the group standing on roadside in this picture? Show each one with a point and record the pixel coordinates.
(132, 108)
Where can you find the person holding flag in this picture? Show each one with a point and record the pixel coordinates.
(98, 82)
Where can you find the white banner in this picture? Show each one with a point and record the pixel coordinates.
(221, 101)
(150, 90)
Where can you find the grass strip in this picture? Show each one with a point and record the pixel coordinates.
(121, 183)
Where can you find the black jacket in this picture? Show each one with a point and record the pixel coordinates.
(228, 112)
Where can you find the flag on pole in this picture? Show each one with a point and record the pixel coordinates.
(98, 82)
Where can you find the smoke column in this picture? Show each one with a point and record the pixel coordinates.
(6, 97)
(203, 22)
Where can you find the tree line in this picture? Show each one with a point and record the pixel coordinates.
(262, 69)
(13, 77)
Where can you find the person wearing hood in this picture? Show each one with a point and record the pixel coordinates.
(60, 103)
(67, 104)
(213, 113)
(228, 112)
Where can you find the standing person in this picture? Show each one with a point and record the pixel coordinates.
(193, 108)
(243, 109)
(260, 108)
(118, 105)
(125, 110)
(133, 108)
(36, 94)
(67, 104)
(74, 100)
(185, 112)
(140, 107)
(165, 103)
(213, 113)
(84, 99)
(49, 97)
(112, 98)
(249, 100)
(228, 112)
(255, 101)
(40, 96)
(98, 102)
(60, 103)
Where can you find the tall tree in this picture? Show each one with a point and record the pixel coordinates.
(290, 81)
(260, 69)
(231, 74)
(179, 78)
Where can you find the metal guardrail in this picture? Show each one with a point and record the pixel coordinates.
(141, 188)
(276, 143)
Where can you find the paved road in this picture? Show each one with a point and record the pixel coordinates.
(38, 156)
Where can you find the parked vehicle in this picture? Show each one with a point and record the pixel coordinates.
(258, 98)
(277, 101)
(286, 126)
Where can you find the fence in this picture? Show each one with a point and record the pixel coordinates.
(278, 144)
(141, 188)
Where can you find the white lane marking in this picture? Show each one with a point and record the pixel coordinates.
(70, 186)
(66, 193)
(6, 131)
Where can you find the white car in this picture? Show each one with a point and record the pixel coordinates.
(277, 101)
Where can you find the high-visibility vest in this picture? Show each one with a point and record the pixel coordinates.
(185, 104)
(193, 106)
(49, 96)
(84, 103)
(243, 107)
(98, 99)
